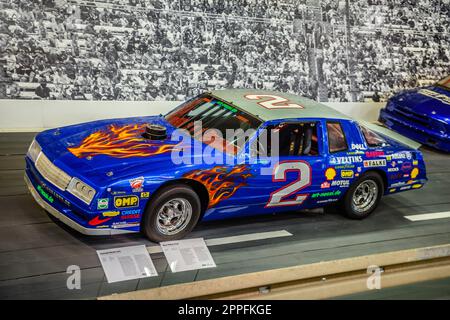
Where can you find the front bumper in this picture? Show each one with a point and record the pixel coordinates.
(414, 130)
(65, 219)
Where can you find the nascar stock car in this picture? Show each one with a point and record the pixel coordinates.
(421, 114)
(116, 176)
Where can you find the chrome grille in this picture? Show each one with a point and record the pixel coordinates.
(51, 172)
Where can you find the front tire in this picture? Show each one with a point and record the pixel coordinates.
(171, 214)
(363, 197)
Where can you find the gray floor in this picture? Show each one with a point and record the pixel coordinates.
(35, 251)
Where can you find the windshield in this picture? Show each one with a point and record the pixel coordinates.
(445, 82)
(212, 114)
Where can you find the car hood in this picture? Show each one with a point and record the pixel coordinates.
(432, 102)
(110, 150)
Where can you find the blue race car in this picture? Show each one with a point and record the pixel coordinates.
(162, 174)
(421, 114)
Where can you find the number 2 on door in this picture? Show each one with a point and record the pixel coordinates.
(279, 175)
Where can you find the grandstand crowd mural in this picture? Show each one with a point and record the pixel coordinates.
(328, 50)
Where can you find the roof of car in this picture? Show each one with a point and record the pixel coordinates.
(311, 108)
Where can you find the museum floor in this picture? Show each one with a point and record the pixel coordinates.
(35, 251)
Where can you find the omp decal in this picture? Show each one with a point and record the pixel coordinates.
(126, 201)
(119, 142)
(145, 194)
(347, 174)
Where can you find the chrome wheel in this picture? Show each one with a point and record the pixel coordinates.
(174, 216)
(365, 196)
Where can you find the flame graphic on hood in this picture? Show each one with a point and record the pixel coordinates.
(119, 142)
(221, 182)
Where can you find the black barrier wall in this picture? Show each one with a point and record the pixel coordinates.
(328, 50)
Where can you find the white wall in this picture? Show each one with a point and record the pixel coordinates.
(36, 115)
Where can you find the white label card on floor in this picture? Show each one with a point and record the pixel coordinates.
(126, 263)
(189, 254)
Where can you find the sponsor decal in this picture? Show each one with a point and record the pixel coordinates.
(359, 169)
(44, 194)
(326, 194)
(51, 194)
(398, 184)
(130, 214)
(405, 188)
(340, 183)
(393, 169)
(406, 167)
(356, 152)
(415, 162)
(346, 166)
(358, 146)
(393, 164)
(102, 203)
(116, 193)
(330, 173)
(417, 186)
(392, 190)
(399, 156)
(327, 200)
(136, 184)
(110, 213)
(374, 163)
(126, 201)
(347, 174)
(414, 173)
(325, 185)
(346, 160)
(96, 221)
(145, 194)
(124, 224)
(396, 176)
(374, 154)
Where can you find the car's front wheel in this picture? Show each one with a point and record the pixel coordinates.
(363, 196)
(172, 213)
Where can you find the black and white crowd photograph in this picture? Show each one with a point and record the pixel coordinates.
(327, 50)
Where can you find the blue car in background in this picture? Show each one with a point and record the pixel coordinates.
(421, 114)
(149, 174)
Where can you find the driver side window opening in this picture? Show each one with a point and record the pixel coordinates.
(295, 139)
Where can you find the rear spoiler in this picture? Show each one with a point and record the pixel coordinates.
(391, 134)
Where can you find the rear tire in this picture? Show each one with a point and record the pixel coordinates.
(172, 213)
(363, 196)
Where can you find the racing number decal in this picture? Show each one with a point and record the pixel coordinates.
(279, 175)
(272, 102)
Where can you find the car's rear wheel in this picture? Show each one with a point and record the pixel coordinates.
(363, 196)
(171, 214)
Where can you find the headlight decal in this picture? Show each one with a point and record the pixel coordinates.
(81, 190)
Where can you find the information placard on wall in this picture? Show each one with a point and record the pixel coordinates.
(189, 254)
(126, 263)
